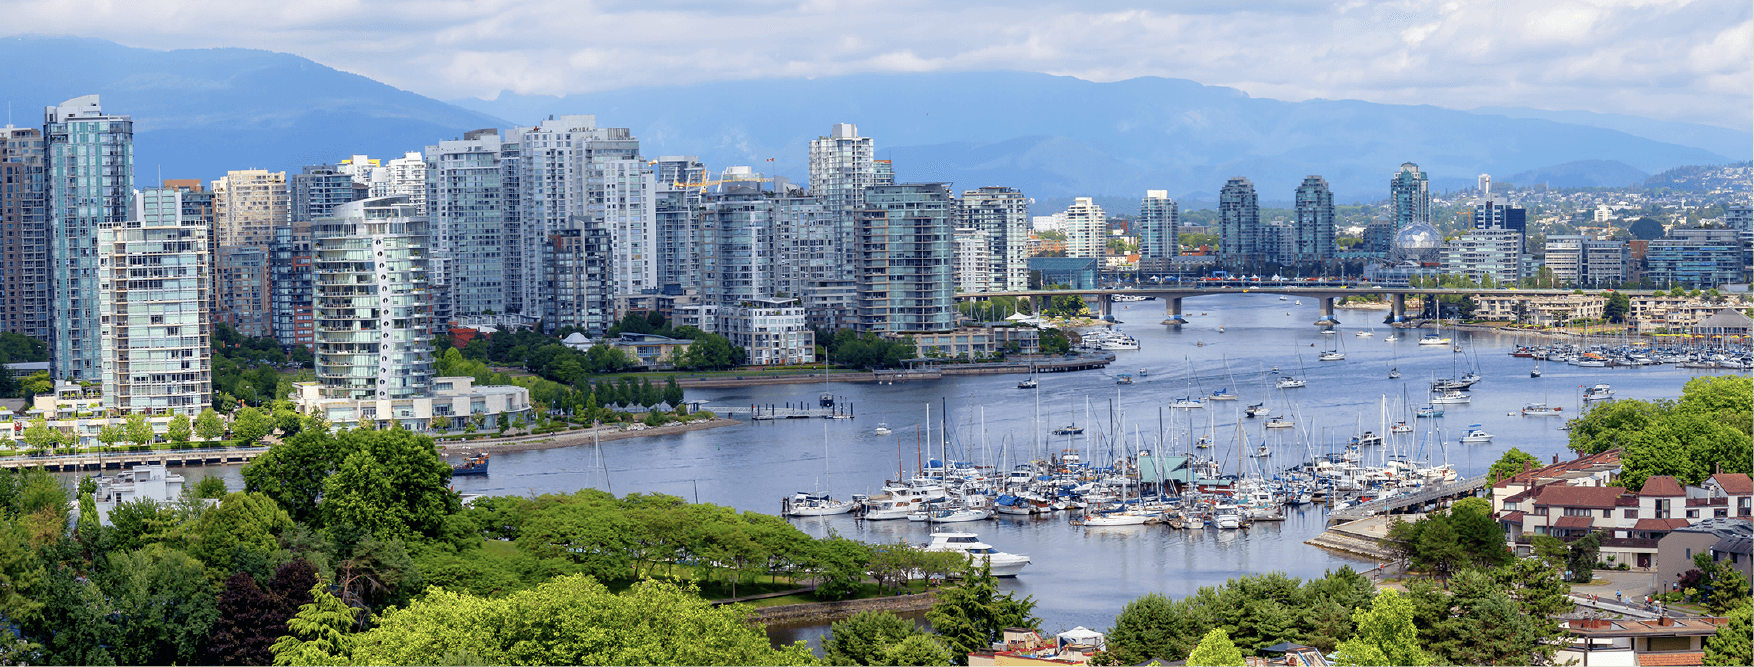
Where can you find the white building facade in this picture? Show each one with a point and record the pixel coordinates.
(1086, 229)
(1003, 215)
(153, 295)
(842, 166)
(773, 331)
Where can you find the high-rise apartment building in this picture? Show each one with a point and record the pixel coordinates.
(1239, 222)
(1409, 196)
(370, 286)
(404, 176)
(24, 249)
(244, 288)
(1086, 229)
(905, 279)
(152, 282)
(248, 205)
(289, 266)
(973, 267)
(883, 172)
(1002, 214)
(1696, 258)
(315, 192)
(90, 173)
(1159, 228)
(842, 166)
(475, 225)
(198, 204)
(681, 181)
(1315, 221)
(1495, 212)
(1583, 261)
(577, 291)
(1486, 256)
(739, 222)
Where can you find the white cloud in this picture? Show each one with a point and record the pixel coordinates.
(1680, 60)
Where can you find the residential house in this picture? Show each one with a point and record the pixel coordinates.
(1599, 642)
(1725, 539)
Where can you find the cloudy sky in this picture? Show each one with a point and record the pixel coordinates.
(1667, 59)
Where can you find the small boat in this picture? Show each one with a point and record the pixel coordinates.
(1369, 439)
(1401, 427)
(1331, 355)
(882, 429)
(1289, 382)
(1205, 441)
(1298, 302)
(1143, 372)
(1540, 410)
(1281, 298)
(1220, 329)
(1187, 403)
(817, 504)
(1121, 518)
(1475, 435)
(1428, 411)
(1600, 392)
(1256, 410)
(1028, 384)
(1451, 397)
(1364, 334)
(1002, 564)
(1536, 372)
(471, 465)
(1123, 379)
(1262, 452)
(1278, 422)
(1069, 429)
(1433, 339)
(1223, 395)
(1390, 338)
(1394, 374)
(1329, 332)
(1458, 348)
(1226, 517)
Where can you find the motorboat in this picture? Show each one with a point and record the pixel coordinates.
(1369, 439)
(1475, 435)
(1328, 332)
(1205, 442)
(1187, 403)
(1120, 342)
(1226, 516)
(1288, 382)
(1540, 410)
(1223, 395)
(1143, 372)
(1536, 372)
(817, 504)
(1002, 564)
(1255, 410)
(1028, 384)
(1433, 339)
(1364, 334)
(1401, 427)
(1331, 355)
(1428, 411)
(882, 429)
(955, 515)
(1220, 329)
(1451, 397)
(1123, 379)
(1121, 518)
(1278, 422)
(1069, 429)
(1390, 338)
(1394, 374)
(471, 465)
(1600, 392)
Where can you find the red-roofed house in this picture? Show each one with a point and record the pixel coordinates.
(1601, 642)
(1722, 495)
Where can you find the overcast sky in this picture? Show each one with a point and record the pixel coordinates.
(1674, 60)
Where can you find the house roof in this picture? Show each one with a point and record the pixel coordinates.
(1679, 659)
(1734, 483)
(1578, 496)
(1722, 527)
(1610, 459)
(1574, 522)
(1512, 517)
(1735, 545)
(1659, 524)
(1661, 486)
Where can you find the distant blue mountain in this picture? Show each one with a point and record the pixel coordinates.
(201, 112)
(1581, 174)
(1054, 136)
(1738, 144)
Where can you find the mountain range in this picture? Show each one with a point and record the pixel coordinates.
(200, 112)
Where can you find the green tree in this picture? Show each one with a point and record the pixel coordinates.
(1734, 642)
(1215, 650)
(866, 637)
(242, 523)
(210, 486)
(673, 392)
(1646, 228)
(39, 435)
(111, 434)
(246, 626)
(562, 622)
(249, 425)
(970, 615)
(292, 472)
(1385, 635)
(920, 649)
(393, 484)
(320, 634)
(1513, 462)
(163, 604)
(1582, 559)
(1616, 306)
(179, 429)
(138, 430)
(208, 426)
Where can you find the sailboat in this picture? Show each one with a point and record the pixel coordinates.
(819, 504)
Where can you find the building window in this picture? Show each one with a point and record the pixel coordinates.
(1629, 514)
(1692, 514)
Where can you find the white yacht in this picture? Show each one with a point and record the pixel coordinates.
(1433, 339)
(1187, 403)
(1003, 564)
(1331, 355)
(1121, 518)
(882, 429)
(817, 504)
(1475, 435)
(1028, 384)
(1278, 422)
(897, 502)
(1289, 382)
(1453, 396)
(1364, 334)
(1226, 516)
(1600, 392)
(1222, 395)
(1540, 410)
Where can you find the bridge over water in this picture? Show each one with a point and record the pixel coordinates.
(1325, 292)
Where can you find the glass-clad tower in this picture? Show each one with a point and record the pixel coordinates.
(1159, 228)
(91, 178)
(1315, 221)
(153, 280)
(370, 263)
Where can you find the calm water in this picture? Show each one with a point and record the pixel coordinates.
(1084, 576)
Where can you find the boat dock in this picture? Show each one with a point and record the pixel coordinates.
(1457, 489)
(123, 460)
(772, 412)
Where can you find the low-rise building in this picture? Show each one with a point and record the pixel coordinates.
(141, 482)
(1725, 539)
(1541, 310)
(977, 342)
(1023, 646)
(450, 398)
(650, 350)
(772, 331)
(1600, 642)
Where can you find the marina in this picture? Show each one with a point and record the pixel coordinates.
(1082, 573)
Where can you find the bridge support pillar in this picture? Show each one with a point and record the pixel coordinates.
(1398, 307)
(1327, 312)
(1103, 305)
(1173, 311)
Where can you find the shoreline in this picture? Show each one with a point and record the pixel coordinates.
(585, 437)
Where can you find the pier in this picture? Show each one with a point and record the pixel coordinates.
(1452, 490)
(123, 460)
